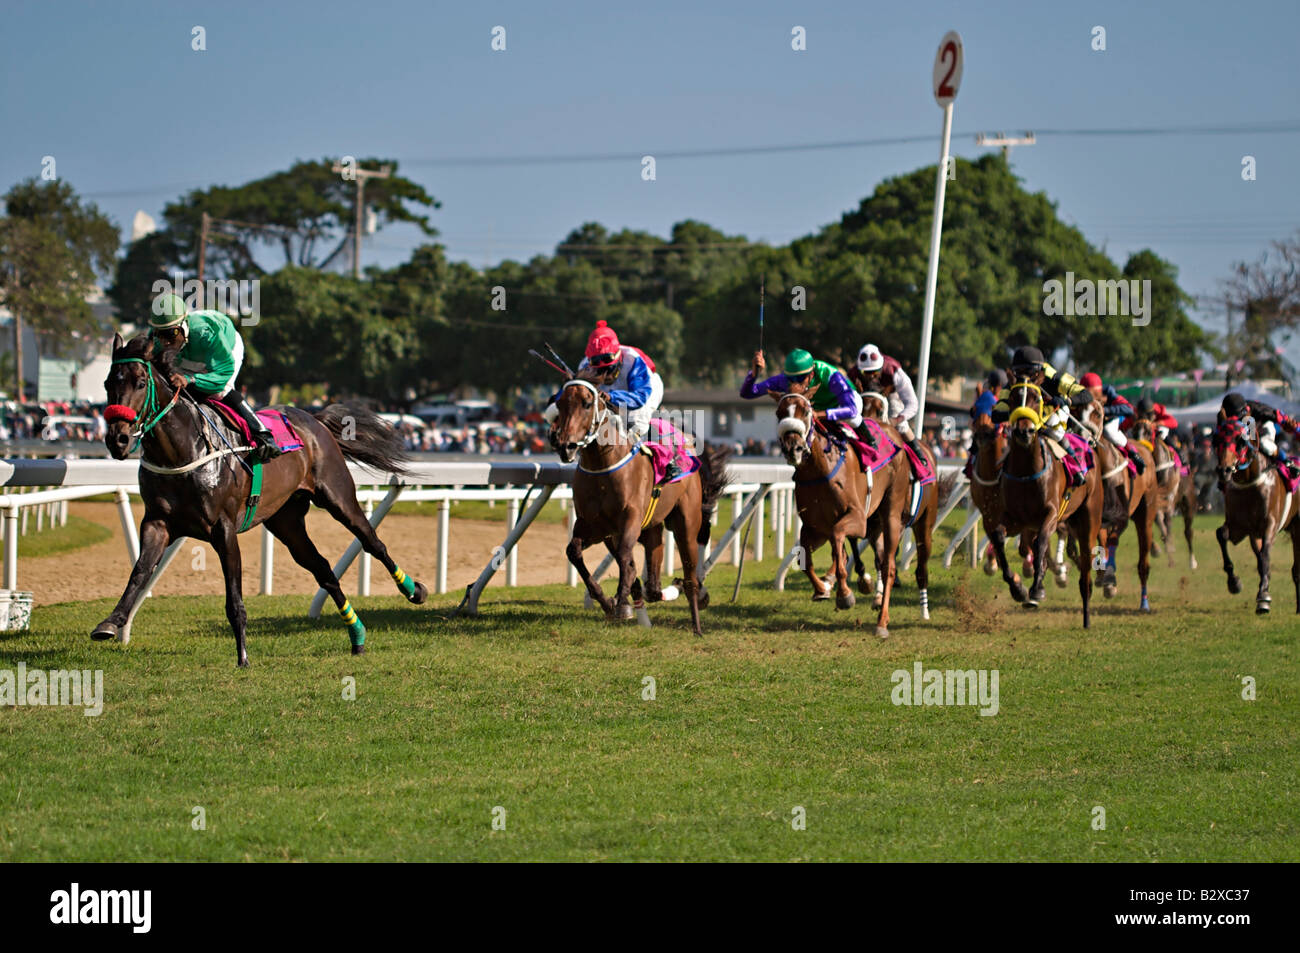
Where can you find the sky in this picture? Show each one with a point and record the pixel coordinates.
(134, 116)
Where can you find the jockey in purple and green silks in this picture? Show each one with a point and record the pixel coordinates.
(831, 394)
(209, 358)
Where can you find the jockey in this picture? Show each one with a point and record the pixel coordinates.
(1060, 388)
(1116, 411)
(884, 375)
(204, 352)
(988, 397)
(827, 389)
(1235, 406)
(628, 377)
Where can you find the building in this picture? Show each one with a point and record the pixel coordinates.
(78, 374)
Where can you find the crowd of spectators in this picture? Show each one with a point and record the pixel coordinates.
(52, 420)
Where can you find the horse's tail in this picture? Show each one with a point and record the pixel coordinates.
(713, 480)
(365, 437)
(945, 486)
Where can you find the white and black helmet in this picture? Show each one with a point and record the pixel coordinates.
(870, 359)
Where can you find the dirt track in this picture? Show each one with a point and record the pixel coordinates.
(101, 570)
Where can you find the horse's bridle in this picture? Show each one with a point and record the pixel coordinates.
(152, 413)
(599, 413)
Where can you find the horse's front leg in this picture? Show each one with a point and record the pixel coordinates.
(889, 535)
(1261, 545)
(1234, 584)
(1042, 543)
(154, 537)
(809, 540)
(226, 542)
(625, 554)
(844, 598)
(998, 540)
(583, 536)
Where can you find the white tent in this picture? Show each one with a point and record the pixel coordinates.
(1207, 411)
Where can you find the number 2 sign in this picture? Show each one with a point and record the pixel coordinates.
(947, 68)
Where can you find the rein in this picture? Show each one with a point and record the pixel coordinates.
(598, 416)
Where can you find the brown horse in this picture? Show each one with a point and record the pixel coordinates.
(876, 407)
(1127, 497)
(193, 485)
(835, 498)
(616, 502)
(1175, 491)
(1037, 495)
(1256, 504)
(990, 442)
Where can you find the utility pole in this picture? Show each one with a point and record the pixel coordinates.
(1001, 139)
(203, 243)
(360, 176)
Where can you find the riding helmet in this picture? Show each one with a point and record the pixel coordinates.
(1234, 405)
(602, 346)
(870, 359)
(798, 363)
(1026, 357)
(168, 311)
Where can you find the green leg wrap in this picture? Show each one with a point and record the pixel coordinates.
(356, 631)
(404, 582)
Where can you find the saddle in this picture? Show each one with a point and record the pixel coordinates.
(668, 445)
(869, 458)
(286, 438)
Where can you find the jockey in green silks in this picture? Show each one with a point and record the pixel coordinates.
(209, 358)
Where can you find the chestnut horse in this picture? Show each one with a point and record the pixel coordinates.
(616, 502)
(1175, 491)
(193, 485)
(835, 498)
(1037, 495)
(1256, 504)
(1127, 497)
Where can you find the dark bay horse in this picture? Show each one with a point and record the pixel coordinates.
(835, 499)
(616, 502)
(1037, 495)
(1175, 492)
(876, 407)
(192, 485)
(1256, 504)
(990, 442)
(1127, 497)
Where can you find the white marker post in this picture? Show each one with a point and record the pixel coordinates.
(947, 78)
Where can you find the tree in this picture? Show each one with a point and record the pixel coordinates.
(1266, 293)
(52, 247)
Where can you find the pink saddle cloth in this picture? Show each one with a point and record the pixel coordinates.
(1290, 476)
(1079, 459)
(286, 438)
(664, 444)
(869, 457)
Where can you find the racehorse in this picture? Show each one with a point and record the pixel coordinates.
(615, 500)
(1256, 504)
(1037, 495)
(1175, 491)
(835, 499)
(990, 442)
(193, 484)
(1127, 497)
(876, 407)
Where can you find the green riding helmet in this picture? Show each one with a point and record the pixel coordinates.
(168, 311)
(798, 363)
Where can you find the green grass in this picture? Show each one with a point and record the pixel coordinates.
(478, 510)
(536, 706)
(60, 539)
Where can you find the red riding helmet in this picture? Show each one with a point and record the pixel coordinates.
(602, 346)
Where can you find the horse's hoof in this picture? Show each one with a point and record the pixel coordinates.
(845, 601)
(882, 632)
(624, 612)
(1060, 580)
(1261, 610)
(358, 650)
(989, 567)
(1262, 606)
(1144, 606)
(1192, 562)
(925, 613)
(704, 598)
(1038, 594)
(243, 663)
(1018, 592)
(1027, 566)
(864, 585)
(820, 596)
(1109, 590)
(417, 598)
(1234, 585)
(105, 631)
(1029, 603)
(656, 596)
(877, 602)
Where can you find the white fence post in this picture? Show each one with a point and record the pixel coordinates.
(444, 537)
(268, 560)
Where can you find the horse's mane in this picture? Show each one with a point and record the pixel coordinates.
(589, 375)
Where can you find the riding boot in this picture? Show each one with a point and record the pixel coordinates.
(865, 435)
(263, 439)
(671, 472)
(916, 448)
(1137, 460)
